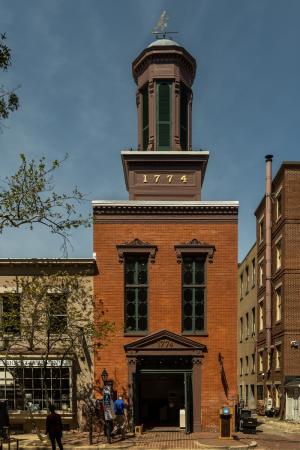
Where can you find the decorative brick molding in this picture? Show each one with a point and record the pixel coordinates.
(144, 212)
(194, 247)
(136, 247)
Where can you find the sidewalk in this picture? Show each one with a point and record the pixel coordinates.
(278, 426)
(147, 441)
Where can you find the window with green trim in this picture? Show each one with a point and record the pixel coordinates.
(164, 113)
(145, 98)
(193, 293)
(136, 294)
(184, 99)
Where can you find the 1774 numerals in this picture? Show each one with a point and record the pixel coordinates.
(158, 178)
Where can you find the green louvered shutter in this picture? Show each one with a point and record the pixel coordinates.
(145, 118)
(184, 95)
(164, 115)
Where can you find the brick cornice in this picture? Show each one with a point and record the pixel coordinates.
(109, 213)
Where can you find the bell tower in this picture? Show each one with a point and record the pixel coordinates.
(164, 73)
(164, 167)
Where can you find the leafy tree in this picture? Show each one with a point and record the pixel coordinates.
(9, 101)
(28, 197)
(51, 315)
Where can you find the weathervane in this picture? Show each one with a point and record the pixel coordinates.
(160, 28)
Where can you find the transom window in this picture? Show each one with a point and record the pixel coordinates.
(136, 293)
(193, 293)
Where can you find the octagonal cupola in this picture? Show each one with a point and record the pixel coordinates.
(164, 73)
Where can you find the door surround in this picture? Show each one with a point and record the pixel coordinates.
(165, 343)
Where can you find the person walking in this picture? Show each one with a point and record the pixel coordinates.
(4, 419)
(108, 407)
(54, 428)
(120, 419)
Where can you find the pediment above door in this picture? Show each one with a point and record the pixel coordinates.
(162, 343)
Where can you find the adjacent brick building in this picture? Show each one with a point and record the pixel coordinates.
(247, 319)
(167, 262)
(279, 369)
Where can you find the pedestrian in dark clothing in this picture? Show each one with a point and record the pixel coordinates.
(54, 428)
(4, 419)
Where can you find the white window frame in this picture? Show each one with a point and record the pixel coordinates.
(247, 325)
(261, 314)
(278, 251)
(261, 361)
(261, 272)
(278, 195)
(277, 287)
(253, 316)
(278, 355)
(261, 234)
(253, 264)
(241, 329)
(247, 278)
(253, 363)
(241, 285)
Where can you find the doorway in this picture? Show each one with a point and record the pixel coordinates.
(162, 396)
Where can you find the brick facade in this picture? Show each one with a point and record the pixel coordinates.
(165, 300)
(247, 320)
(164, 178)
(285, 228)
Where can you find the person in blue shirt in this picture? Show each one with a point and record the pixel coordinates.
(120, 419)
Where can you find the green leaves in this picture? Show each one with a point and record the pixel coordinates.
(28, 197)
(9, 100)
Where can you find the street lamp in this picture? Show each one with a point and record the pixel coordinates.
(104, 376)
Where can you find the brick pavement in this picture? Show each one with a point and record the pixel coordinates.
(268, 437)
(150, 440)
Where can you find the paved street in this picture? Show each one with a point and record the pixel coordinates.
(267, 438)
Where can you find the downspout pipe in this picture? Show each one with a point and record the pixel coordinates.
(268, 212)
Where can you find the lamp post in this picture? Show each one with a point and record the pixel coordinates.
(104, 376)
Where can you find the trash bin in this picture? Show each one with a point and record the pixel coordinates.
(226, 415)
(248, 423)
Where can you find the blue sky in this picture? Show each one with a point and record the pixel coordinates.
(73, 61)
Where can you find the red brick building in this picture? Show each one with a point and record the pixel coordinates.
(278, 358)
(167, 262)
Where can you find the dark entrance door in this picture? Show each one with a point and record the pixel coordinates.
(162, 387)
(162, 396)
(154, 359)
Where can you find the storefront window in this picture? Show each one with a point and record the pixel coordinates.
(58, 381)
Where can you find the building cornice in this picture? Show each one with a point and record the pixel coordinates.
(132, 211)
(46, 261)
